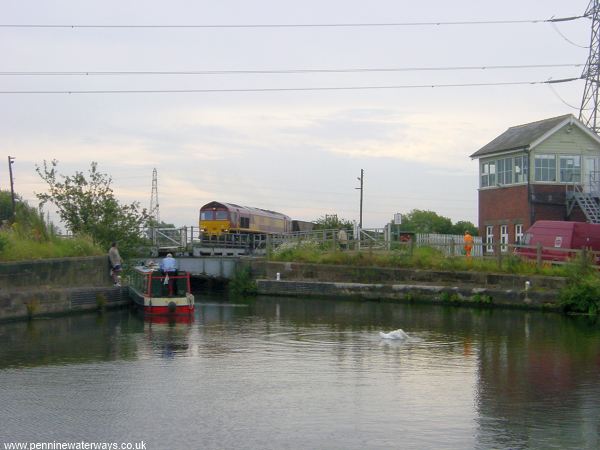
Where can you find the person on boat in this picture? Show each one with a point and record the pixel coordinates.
(468, 241)
(115, 264)
(168, 266)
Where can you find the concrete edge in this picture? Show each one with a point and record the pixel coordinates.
(458, 295)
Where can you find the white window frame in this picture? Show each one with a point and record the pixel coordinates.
(545, 168)
(519, 234)
(503, 238)
(520, 169)
(489, 238)
(488, 174)
(570, 174)
(504, 170)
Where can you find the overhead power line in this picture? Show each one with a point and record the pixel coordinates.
(327, 88)
(280, 71)
(303, 25)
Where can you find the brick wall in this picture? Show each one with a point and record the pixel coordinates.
(509, 206)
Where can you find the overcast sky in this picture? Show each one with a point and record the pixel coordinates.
(297, 152)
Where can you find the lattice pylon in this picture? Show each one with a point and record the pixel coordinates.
(588, 113)
(154, 206)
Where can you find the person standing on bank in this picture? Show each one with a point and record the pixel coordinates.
(115, 263)
(468, 241)
(168, 266)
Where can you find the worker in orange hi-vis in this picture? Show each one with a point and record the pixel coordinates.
(468, 244)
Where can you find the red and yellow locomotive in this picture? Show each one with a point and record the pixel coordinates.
(218, 218)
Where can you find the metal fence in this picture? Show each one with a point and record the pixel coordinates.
(449, 244)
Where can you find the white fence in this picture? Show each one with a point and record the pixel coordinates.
(450, 244)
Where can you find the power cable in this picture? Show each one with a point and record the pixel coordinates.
(306, 25)
(562, 100)
(567, 39)
(328, 88)
(281, 71)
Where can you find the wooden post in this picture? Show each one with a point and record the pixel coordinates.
(584, 257)
(334, 241)
(498, 249)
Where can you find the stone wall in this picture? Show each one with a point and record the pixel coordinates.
(385, 275)
(298, 279)
(55, 273)
(53, 286)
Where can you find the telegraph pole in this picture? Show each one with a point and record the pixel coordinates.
(11, 161)
(588, 113)
(361, 178)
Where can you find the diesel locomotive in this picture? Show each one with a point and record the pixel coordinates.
(218, 218)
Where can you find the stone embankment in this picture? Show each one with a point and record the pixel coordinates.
(53, 286)
(296, 279)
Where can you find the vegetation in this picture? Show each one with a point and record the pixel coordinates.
(87, 206)
(419, 221)
(419, 257)
(242, 282)
(28, 236)
(582, 293)
(332, 222)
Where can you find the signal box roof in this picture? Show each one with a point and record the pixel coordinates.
(529, 135)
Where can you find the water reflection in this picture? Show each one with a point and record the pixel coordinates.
(464, 378)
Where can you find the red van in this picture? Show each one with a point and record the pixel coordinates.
(560, 235)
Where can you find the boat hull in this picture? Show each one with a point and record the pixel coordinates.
(181, 305)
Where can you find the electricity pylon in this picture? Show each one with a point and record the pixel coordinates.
(154, 211)
(588, 113)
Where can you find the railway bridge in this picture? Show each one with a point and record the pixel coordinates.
(209, 266)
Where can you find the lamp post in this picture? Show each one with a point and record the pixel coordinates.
(11, 160)
(362, 173)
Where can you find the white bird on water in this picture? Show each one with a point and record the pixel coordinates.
(396, 334)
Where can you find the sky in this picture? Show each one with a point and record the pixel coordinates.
(299, 151)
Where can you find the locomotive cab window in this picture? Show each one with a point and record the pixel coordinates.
(244, 222)
(222, 215)
(206, 215)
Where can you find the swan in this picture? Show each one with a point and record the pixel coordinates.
(396, 334)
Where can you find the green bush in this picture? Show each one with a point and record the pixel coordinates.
(582, 294)
(242, 282)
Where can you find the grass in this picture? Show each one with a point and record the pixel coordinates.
(16, 246)
(421, 258)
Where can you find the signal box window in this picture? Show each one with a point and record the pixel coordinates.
(521, 169)
(505, 167)
(545, 168)
(570, 169)
(488, 174)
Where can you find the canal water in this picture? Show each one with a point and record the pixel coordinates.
(281, 373)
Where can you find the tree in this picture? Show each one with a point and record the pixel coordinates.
(419, 221)
(331, 222)
(87, 205)
(464, 225)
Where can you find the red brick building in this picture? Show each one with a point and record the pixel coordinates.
(545, 170)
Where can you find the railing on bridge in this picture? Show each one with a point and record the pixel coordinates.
(189, 240)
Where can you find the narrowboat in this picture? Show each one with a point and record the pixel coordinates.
(159, 294)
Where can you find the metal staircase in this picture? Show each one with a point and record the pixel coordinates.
(587, 202)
